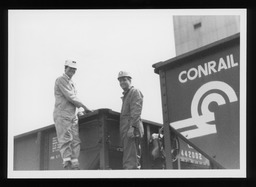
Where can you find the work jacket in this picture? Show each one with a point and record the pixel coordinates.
(66, 100)
(131, 112)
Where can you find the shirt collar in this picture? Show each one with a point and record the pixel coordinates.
(65, 75)
(125, 92)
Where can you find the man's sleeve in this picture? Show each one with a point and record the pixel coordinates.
(68, 93)
(136, 108)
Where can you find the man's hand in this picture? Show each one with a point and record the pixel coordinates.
(80, 113)
(88, 111)
(130, 133)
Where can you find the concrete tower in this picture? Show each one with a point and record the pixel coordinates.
(192, 32)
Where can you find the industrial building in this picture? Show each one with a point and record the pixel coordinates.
(192, 32)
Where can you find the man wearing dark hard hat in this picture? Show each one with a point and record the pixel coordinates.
(65, 116)
(131, 127)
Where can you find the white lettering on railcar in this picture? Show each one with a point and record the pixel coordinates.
(207, 69)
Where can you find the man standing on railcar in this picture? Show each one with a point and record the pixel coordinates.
(65, 116)
(131, 127)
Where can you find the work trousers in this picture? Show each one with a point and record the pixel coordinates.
(131, 153)
(68, 137)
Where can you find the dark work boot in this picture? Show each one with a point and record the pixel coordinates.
(75, 166)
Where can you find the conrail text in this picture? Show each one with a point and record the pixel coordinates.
(208, 68)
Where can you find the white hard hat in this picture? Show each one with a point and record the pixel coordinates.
(71, 63)
(124, 74)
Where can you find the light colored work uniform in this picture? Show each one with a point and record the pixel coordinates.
(65, 118)
(131, 116)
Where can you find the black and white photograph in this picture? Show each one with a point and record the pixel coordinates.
(127, 93)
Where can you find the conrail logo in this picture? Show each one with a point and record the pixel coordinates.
(208, 69)
(199, 123)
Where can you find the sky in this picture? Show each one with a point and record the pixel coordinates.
(102, 42)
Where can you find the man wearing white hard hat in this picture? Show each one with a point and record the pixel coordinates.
(131, 127)
(65, 116)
